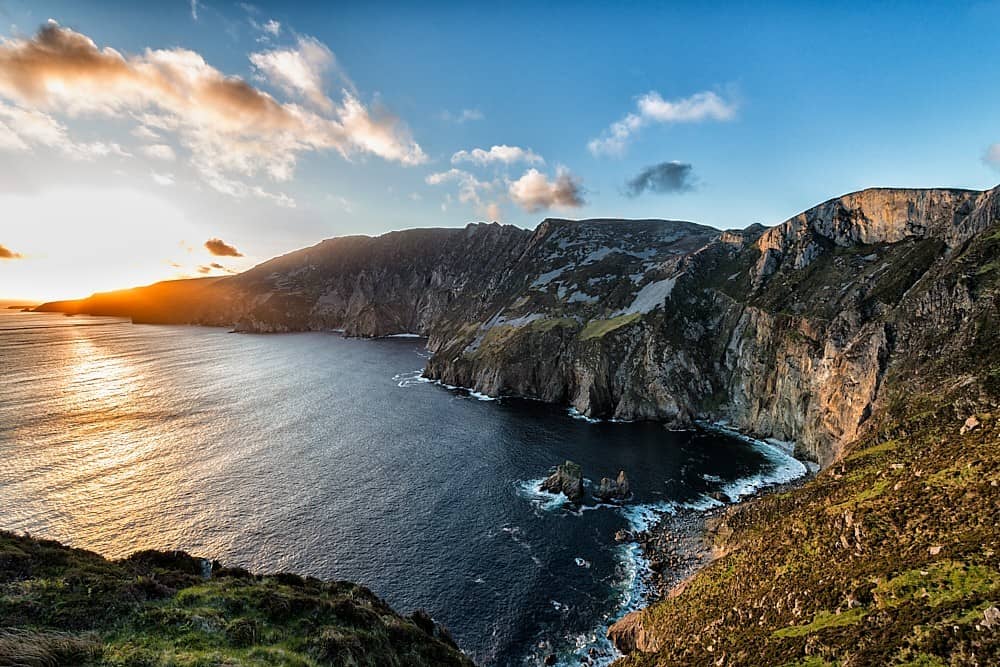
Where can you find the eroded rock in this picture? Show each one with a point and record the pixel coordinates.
(567, 480)
(616, 489)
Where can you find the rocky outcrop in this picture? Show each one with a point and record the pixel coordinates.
(614, 489)
(567, 480)
(785, 332)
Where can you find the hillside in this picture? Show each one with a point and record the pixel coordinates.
(785, 332)
(62, 606)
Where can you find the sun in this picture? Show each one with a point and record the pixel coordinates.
(76, 241)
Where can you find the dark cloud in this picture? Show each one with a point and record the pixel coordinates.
(214, 266)
(664, 178)
(7, 253)
(220, 248)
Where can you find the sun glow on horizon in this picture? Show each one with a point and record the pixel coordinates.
(75, 241)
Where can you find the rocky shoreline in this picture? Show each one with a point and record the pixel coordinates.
(678, 545)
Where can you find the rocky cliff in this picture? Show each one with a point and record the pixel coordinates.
(785, 332)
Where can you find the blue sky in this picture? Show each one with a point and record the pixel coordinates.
(774, 109)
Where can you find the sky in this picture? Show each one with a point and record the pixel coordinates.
(158, 140)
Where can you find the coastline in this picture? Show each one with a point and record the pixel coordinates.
(678, 543)
(669, 541)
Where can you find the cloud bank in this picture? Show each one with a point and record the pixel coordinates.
(663, 178)
(652, 108)
(231, 128)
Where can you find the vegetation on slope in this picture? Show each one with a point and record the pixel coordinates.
(891, 556)
(67, 606)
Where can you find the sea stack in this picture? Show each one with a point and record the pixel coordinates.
(617, 489)
(567, 479)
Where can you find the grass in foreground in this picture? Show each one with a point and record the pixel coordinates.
(67, 606)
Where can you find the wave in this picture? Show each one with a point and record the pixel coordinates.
(634, 587)
(412, 378)
(780, 466)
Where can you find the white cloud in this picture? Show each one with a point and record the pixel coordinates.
(533, 191)
(272, 27)
(343, 203)
(502, 153)
(228, 125)
(652, 108)
(463, 116)
(298, 71)
(159, 152)
(992, 156)
(143, 132)
(470, 188)
(163, 179)
(194, 9)
(238, 189)
(21, 128)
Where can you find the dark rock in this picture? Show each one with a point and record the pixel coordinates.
(551, 659)
(624, 535)
(720, 496)
(567, 479)
(617, 489)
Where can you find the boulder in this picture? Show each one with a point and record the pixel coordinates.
(567, 479)
(971, 424)
(720, 496)
(617, 489)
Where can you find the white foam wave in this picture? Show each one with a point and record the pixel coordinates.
(532, 491)
(576, 414)
(780, 466)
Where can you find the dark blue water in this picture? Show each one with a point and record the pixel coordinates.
(325, 456)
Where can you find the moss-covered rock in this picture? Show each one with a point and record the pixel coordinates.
(63, 606)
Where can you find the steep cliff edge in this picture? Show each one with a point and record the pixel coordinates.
(892, 554)
(785, 332)
(63, 606)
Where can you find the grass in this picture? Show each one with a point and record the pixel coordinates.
(823, 620)
(601, 328)
(890, 556)
(66, 606)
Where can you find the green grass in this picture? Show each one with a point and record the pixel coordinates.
(941, 583)
(823, 620)
(66, 606)
(600, 328)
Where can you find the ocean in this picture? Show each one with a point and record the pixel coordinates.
(332, 457)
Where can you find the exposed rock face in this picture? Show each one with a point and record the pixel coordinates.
(614, 489)
(785, 332)
(567, 480)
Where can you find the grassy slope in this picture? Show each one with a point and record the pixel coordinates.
(67, 606)
(891, 556)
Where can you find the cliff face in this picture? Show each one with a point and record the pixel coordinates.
(785, 332)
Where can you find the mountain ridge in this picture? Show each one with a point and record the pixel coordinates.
(783, 331)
